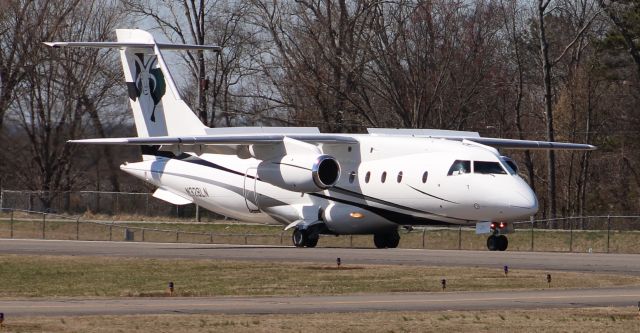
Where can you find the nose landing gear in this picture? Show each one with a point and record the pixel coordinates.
(497, 243)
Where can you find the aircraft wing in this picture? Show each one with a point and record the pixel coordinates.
(475, 137)
(268, 138)
(220, 139)
(529, 144)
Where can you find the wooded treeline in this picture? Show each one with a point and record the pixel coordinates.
(563, 70)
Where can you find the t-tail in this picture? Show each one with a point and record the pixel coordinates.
(158, 108)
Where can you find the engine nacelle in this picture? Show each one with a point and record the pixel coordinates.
(349, 220)
(301, 173)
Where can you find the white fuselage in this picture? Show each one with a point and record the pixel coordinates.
(418, 186)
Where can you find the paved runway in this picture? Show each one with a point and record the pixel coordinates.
(585, 262)
(326, 304)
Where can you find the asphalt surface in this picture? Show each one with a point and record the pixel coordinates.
(326, 304)
(582, 262)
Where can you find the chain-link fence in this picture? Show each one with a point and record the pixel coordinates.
(23, 224)
(593, 234)
(100, 203)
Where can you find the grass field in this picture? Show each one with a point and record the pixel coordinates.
(31, 226)
(544, 320)
(236, 233)
(69, 276)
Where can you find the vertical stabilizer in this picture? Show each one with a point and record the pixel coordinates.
(157, 107)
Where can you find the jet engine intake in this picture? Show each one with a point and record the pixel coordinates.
(301, 173)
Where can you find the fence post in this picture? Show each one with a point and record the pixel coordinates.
(570, 235)
(110, 231)
(78, 228)
(460, 238)
(245, 240)
(211, 237)
(350, 240)
(44, 224)
(424, 231)
(142, 234)
(11, 227)
(532, 220)
(177, 236)
(281, 235)
(608, 231)
(198, 213)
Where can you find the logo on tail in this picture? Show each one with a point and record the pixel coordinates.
(149, 85)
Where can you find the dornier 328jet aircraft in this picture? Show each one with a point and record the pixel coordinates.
(317, 183)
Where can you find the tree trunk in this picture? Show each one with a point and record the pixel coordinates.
(548, 111)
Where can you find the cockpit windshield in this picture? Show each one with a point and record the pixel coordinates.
(510, 165)
(488, 168)
(459, 167)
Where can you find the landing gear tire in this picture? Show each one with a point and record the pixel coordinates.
(492, 243)
(387, 240)
(312, 240)
(299, 238)
(302, 238)
(497, 243)
(393, 240)
(503, 243)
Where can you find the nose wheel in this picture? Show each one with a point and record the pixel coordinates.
(497, 243)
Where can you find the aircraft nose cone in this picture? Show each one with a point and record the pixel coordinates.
(525, 199)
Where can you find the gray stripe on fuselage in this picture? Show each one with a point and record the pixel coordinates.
(196, 160)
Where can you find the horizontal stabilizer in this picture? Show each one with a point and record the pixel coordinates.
(122, 45)
(171, 197)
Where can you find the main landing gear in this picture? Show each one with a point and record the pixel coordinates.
(497, 243)
(304, 238)
(387, 240)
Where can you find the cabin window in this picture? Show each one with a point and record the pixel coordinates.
(488, 168)
(459, 167)
(367, 177)
(399, 176)
(425, 175)
(352, 177)
(383, 178)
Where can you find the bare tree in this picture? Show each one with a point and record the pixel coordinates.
(432, 59)
(318, 56)
(52, 101)
(186, 22)
(616, 11)
(547, 64)
(21, 22)
(511, 13)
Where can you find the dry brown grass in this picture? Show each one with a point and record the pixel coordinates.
(547, 320)
(63, 276)
(221, 232)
